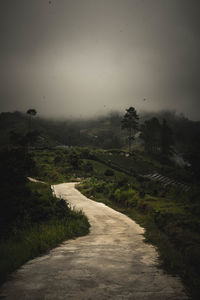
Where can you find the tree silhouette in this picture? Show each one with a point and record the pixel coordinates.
(31, 136)
(167, 140)
(151, 134)
(158, 138)
(130, 122)
(31, 113)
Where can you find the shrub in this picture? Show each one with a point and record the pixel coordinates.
(99, 187)
(123, 195)
(193, 257)
(122, 182)
(132, 202)
(87, 167)
(54, 175)
(142, 194)
(109, 172)
(58, 159)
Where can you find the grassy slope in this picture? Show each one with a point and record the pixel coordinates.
(50, 171)
(171, 257)
(26, 243)
(170, 217)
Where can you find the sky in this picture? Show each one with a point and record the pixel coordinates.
(81, 58)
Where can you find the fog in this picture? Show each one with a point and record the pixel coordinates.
(87, 57)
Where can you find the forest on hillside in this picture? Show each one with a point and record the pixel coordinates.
(106, 132)
(144, 165)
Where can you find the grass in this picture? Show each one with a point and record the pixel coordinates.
(169, 225)
(132, 165)
(100, 168)
(170, 217)
(54, 166)
(141, 163)
(46, 168)
(37, 238)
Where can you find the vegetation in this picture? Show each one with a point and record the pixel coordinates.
(25, 244)
(151, 134)
(102, 132)
(130, 122)
(169, 214)
(158, 138)
(147, 184)
(170, 217)
(73, 164)
(31, 113)
(32, 220)
(166, 140)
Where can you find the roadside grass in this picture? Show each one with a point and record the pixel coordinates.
(56, 166)
(169, 225)
(170, 216)
(52, 166)
(46, 169)
(36, 238)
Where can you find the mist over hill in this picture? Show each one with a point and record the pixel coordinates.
(102, 131)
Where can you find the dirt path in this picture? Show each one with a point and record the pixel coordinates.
(112, 262)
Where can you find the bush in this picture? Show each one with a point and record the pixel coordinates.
(142, 194)
(99, 187)
(124, 195)
(122, 182)
(109, 172)
(133, 202)
(58, 159)
(87, 167)
(193, 257)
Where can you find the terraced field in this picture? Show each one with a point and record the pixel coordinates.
(134, 165)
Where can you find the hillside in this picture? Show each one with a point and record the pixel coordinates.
(103, 131)
(168, 211)
(160, 195)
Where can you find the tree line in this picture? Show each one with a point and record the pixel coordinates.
(157, 137)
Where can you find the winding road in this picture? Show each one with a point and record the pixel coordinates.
(112, 262)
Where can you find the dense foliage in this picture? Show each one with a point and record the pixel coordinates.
(105, 132)
(22, 205)
(130, 123)
(157, 137)
(170, 217)
(53, 152)
(32, 220)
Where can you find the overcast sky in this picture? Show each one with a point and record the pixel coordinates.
(83, 57)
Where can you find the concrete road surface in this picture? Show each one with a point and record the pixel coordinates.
(112, 262)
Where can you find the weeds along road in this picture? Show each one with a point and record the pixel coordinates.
(112, 262)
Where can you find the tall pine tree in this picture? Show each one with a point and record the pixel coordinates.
(130, 122)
